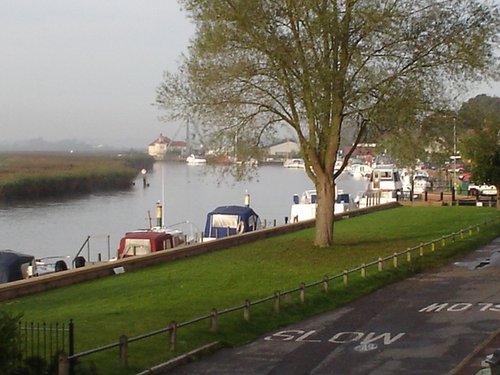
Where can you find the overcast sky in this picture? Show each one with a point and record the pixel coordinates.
(88, 69)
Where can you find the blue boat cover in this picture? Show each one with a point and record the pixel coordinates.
(10, 265)
(229, 220)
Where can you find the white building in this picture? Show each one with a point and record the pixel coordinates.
(285, 149)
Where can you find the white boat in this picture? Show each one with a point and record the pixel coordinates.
(360, 170)
(294, 163)
(194, 160)
(385, 186)
(304, 207)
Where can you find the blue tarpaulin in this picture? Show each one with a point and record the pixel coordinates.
(229, 220)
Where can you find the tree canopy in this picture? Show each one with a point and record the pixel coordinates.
(480, 143)
(317, 66)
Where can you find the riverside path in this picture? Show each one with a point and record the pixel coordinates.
(432, 323)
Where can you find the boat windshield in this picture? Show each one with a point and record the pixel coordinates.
(225, 221)
(134, 246)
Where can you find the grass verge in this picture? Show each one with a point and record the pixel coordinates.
(138, 302)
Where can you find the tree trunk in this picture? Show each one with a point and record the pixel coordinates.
(325, 189)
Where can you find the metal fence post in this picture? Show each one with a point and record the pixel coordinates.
(123, 350)
(71, 345)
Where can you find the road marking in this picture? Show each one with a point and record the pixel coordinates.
(367, 341)
(461, 306)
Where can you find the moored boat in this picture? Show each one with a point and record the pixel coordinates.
(385, 186)
(294, 163)
(304, 207)
(227, 221)
(194, 160)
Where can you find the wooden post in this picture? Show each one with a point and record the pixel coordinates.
(173, 335)
(246, 310)
(395, 260)
(63, 364)
(421, 249)
(433, 246)
(123, 350)
(380, 264)
(302, 293)
(325, 283)
(213, 320)
(363, 270)
(277, 302)
(408, 255)
(443, 241)
(346, 277)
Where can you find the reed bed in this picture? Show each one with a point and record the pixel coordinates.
(40, 175)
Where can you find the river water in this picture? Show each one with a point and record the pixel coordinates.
(60, 226)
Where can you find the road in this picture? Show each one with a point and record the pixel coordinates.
(426, 324)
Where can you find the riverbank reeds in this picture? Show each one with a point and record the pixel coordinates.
(134, 303)
(41, 175)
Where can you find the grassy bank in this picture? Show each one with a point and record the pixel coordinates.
(40, 175)
(146, 300)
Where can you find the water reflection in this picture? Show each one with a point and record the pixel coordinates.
(61, 226)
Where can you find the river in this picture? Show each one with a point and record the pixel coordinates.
(60, 226)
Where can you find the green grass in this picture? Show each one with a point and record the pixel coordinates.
(137, 302)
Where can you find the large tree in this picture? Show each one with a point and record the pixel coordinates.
(320, 65)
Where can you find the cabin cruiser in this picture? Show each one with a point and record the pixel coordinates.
(294, 163)
(385, 186)
(227, 221)
(304, 207)
(194, 160)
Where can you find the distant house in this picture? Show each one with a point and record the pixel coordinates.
(284, 149)
(163, 146)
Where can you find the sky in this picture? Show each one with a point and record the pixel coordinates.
(88, 69)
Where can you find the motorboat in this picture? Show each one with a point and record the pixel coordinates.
(294, 163)
(304, 207)
(195, 160)
(147, 241)
(16, 266)
(227, 221)
(385, 186)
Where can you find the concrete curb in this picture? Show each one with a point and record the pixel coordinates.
(183, 359)
(467, 360)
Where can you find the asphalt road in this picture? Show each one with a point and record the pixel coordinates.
(426, 324)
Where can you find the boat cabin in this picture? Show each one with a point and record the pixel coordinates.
(16, 266)
(142, 242)
(385, 178)
(230, 220)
